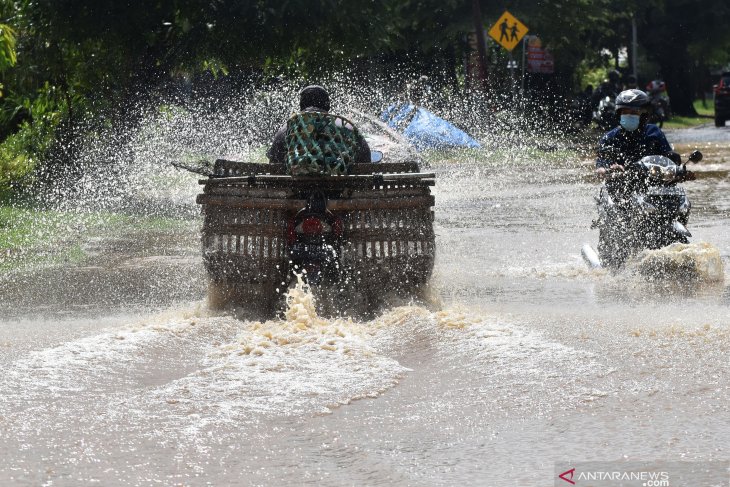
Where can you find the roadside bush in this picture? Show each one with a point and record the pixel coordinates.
(15, 161)
(21, 151)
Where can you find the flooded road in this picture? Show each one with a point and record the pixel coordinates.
(116, 373)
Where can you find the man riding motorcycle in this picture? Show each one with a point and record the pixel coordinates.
(603, 101)
(314, 143)
(658, 101)
(633, 139)
(631, 83)
(313, 98)
(618, 150)
(609, 87)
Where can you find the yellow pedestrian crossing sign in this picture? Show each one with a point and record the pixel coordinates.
(508, 31)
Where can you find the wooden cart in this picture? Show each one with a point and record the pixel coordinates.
(388, 243)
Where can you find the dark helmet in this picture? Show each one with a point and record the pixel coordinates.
(636, 99)
(614, 76)
(656, 85)
(314, 96)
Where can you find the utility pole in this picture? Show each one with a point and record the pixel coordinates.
(512, 65)
(634, 48)
(525, 40)
(476, 14)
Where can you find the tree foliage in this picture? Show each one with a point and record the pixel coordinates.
(683, 38)
(8, 56)
(63, 61)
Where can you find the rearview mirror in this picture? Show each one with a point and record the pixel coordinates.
(696, 156)
(377, 156)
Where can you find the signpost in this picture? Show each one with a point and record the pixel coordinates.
(539, 59)
(481, 43)
(508, 32)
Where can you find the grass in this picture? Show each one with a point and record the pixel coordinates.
(705, 115)
(708, 111)
(29, 236)
(40, 238)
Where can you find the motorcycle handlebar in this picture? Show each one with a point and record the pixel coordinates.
(618, 171)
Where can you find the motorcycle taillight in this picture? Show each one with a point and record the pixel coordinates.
(312, 226)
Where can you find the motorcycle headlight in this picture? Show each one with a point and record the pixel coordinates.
(665, 173)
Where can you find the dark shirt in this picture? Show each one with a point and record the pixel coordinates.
(277, 151)
(619, 146)
(623, 147)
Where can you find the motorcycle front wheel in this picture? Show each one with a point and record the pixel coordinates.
(612, 249)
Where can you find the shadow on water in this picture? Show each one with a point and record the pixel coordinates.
(142, 270)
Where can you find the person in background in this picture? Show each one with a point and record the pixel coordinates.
(609, 87)
(631, 82)
(419, 91)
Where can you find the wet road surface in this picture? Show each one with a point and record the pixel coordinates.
(116, 373)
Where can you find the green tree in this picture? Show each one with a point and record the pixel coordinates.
(8, 57)
(679, 35)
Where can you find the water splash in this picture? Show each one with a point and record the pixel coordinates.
(695, 262)
(128, 169)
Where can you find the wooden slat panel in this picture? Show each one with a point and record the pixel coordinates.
(249, 203)
(325, 182)
(224, 168)
(283, 193)
(385, 167)
(388, 237)
(385, 234)
(270, 239)
(270, 229)
(377, 239)
(333, 205)
(250, 191)
(385, 203)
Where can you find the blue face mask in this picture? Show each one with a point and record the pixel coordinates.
(630, 122)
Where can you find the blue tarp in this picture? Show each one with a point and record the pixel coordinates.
(424, 129)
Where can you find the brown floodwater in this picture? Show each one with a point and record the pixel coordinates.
(116, 373)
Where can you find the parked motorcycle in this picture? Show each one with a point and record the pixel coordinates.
(605, 113)
(641, 207)
(659, 102)
(579, 115)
